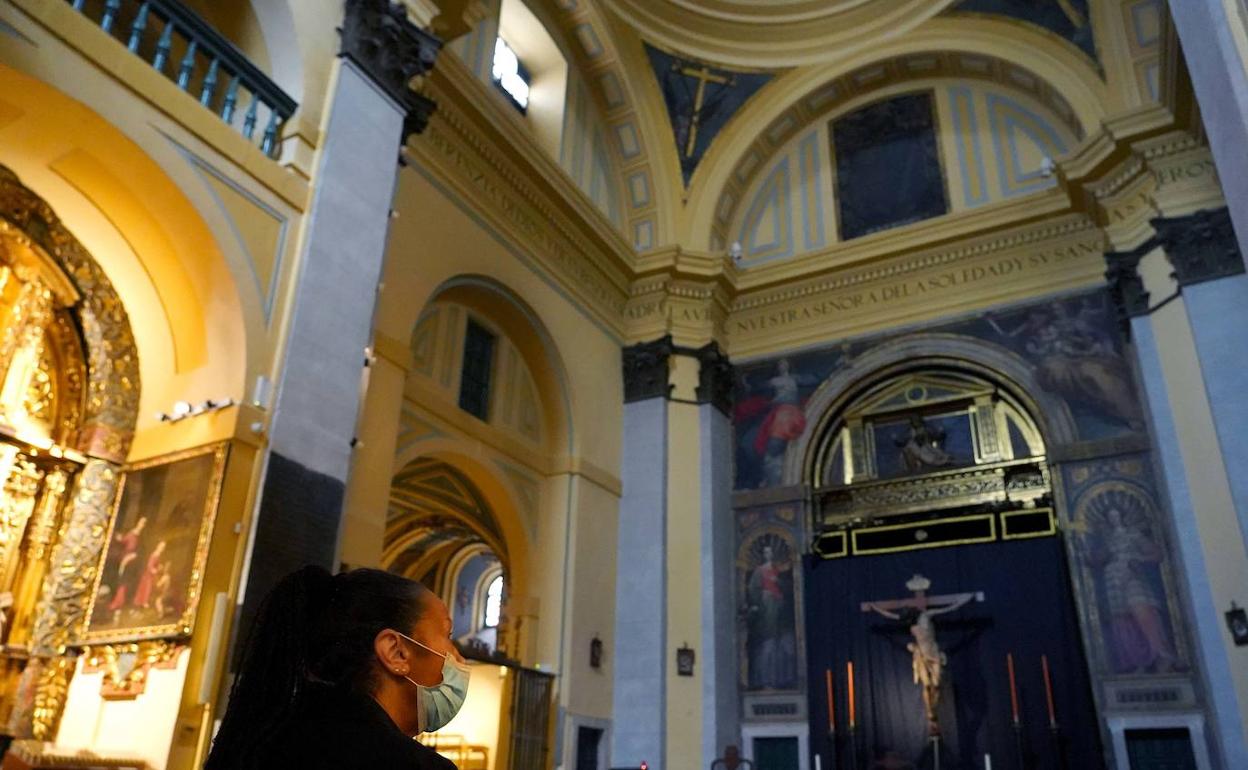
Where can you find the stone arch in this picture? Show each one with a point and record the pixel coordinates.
(113, 386)
(1050, 412)
(511, 541)
(781, 108)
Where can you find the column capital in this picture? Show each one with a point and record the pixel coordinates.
(1200, 246)
(1126, 287)
(716, 378)
(378, 37)
(647, 371)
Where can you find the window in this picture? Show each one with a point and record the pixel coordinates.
(474, 380)
(493, 603)
(510, 75)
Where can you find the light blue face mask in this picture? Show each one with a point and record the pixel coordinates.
(439, 704)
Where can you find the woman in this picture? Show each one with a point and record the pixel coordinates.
(340, 672)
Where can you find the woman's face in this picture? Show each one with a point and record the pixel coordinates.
(434, 631)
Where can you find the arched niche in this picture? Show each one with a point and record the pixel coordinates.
(143, 214)
(988, 362)
(62, 312)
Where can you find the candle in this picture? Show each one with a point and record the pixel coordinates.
(987, 762)
(1009, 662)
(849, 668)
(827, 675)
(1048, 690)
(818, 762)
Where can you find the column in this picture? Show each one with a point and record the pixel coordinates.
(1177, 290)
(675, 581)
(1214, 35)
(372, 112)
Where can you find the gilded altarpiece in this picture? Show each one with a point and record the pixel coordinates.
(69, 389)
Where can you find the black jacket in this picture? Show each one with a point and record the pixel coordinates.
(343, 730)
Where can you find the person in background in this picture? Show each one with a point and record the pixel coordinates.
(341, 672)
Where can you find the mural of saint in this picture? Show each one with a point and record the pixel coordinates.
(771, 648)
(1126, 559)
(775, 415)
(1076, 357)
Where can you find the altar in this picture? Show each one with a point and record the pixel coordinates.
(1013, 690)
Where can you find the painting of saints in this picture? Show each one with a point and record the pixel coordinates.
(1076, 358)
(774, 417)
(157, 546)
(1126, 558)
(771, 650)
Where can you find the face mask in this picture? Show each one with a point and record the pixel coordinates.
(439, 704)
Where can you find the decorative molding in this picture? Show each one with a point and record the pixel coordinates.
(126, 666)
(379, 39)
(1201, 247)
(647, 371)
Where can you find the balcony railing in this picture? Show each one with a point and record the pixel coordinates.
(185, 48)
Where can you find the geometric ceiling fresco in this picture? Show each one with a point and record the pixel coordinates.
(1068, 19)
(700, 101)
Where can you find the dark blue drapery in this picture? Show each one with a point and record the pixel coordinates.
(1028, 611)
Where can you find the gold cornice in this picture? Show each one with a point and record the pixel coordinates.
(948, 229)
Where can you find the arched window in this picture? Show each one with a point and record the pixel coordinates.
(493, 603)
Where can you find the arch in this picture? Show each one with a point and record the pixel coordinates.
(110, 411)
(512, 543)
(151, 222)
(502, 307)
(277, 27)
(792, 100)
(994, 362)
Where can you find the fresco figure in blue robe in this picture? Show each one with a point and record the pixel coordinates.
(771, 638)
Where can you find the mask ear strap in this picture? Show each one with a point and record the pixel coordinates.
(427, 647)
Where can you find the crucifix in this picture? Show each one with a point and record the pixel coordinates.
(928, 659)
(703, 75)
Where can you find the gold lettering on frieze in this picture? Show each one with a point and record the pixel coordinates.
(1183, 172)
(916, 289)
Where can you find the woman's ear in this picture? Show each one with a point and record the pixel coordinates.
(391, 652)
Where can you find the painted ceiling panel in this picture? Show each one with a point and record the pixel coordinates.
(700, 101)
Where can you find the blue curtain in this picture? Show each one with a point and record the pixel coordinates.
(1028, 611)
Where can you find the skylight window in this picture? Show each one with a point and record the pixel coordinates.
(510, 74)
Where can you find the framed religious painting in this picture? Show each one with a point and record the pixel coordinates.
(148, 582)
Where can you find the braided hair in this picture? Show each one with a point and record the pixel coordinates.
(313, 627)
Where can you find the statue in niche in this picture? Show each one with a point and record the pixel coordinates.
(771, 647)
(1127, 558)
(923, 447)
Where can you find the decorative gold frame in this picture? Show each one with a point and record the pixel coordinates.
(990, 518)
(148, 655)
(184, 625)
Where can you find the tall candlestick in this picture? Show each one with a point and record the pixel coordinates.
(1009, 662)
(1048, 690)
(827, 675)
(849, 668)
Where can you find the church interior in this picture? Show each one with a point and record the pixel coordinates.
(799, 385)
